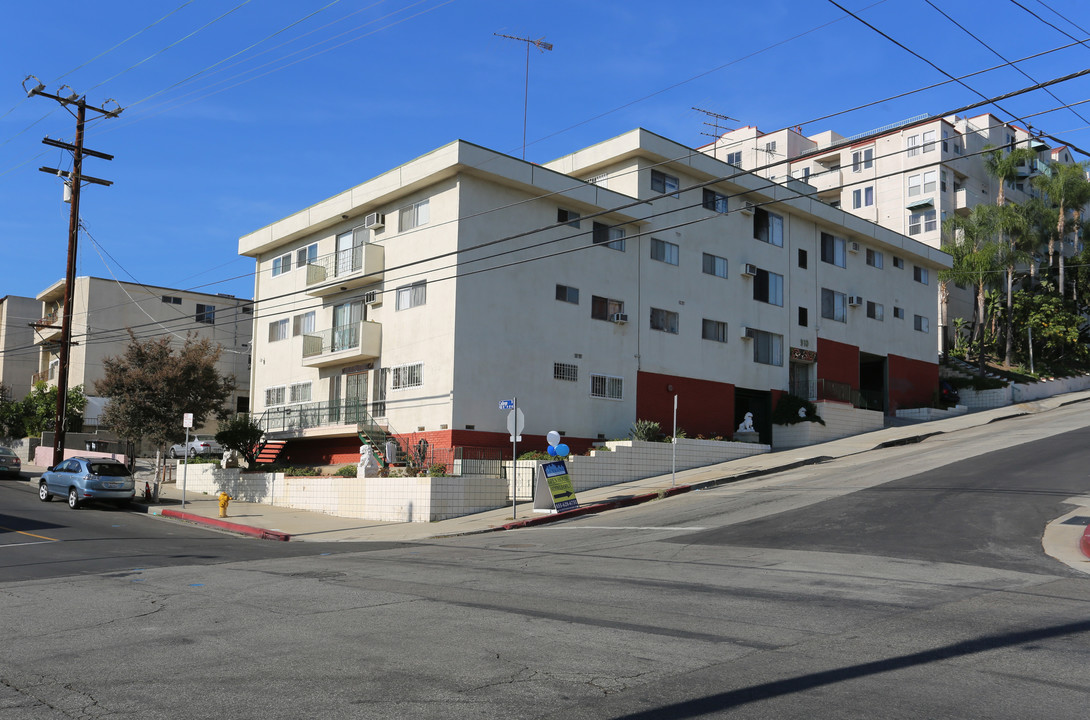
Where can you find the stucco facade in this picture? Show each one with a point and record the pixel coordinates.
(18, 355)
(592, 288)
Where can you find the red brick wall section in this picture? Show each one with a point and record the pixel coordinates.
(838, 362)
(704, 407)
(912, 383)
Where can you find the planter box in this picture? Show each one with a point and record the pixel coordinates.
(841, 420)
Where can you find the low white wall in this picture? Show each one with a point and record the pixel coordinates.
(1025, 392)
(925, 414)
(982, 399)
(23, 447)
(43, 455)
(841, 420)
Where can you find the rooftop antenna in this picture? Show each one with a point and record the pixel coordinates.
(542, 46)
(716, 117)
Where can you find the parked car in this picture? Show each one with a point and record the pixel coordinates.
(81, 479)
(198, 445)
(10, 464)
(948, 393)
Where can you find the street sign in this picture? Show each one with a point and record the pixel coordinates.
(515, 427)
(187, 420)
(507, 404)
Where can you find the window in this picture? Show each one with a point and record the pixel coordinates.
(715, 265)
(919, 274)
(206, 314)
(278, 330)
(714, 330)
(767, 347)
(862, 160)
(274, 396)
(663, 183)
(898, 312)
(715, 201)
(923, 221)
(172, 300)
(566, 371)
(406, 376)
(565, 293)
(605, 386)
(862, 197)
(414, 215)
(768, 287)
(735, 158)
(914, 184)
(928, 141)
(919, 322)
(875, 311)
(602, 308)
(929, 181)
(663, 251)
(767, 227)
(834, 305)
(611, 237)
(410, 296)
(306, 255)
(945, 138)
(804, 317)
(567, 216)
(802, 258)
(942, 181)
(912, 142)
(302, 324)
(832, 250)
(874, 258)
(299, 393)
(664, 320)
(281, 264)
(770, 147)
(898, 263)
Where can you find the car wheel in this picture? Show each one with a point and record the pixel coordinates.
(43, 492)
(73, 499)
(173, 454)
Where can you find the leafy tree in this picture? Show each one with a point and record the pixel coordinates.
(975, 253)
(1058, 342)
(153, 384)
(40, 409)
(242, 434)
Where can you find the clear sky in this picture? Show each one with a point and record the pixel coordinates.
(241, 112)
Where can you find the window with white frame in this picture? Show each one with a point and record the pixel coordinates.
(929, 181)
(611, 237)
(920, 324)
(278, 330)
(406, 376)
(306, 255)
(768, 227)
(607, 386)
(876, 311)
(770, 147)
(862, 197)
(862, 160)
(664, 320)
(603, 308)
(410, 296)
(565, 371)
(912, 143)
(735, 158)
(715, 265)
(922, 221)
(565, 293)
(768, 287)
(875, 258)
(281, 264)
(302, 324)
(834, 305)
(663, 183)
(767, 347)
(914, 184)
(919, 274)
(567, 216)
(833, 250)
(275, 395)
(714, 330)
(299, 392)
(663, 251)
(928, 141)
(414, 215)
(715, 201)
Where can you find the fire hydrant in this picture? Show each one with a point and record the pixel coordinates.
(224, 500)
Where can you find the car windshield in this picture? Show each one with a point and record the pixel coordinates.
(5, 451)
(108, 469)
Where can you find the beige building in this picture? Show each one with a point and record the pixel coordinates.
(102, 310)
(18, 353)
(594, 289)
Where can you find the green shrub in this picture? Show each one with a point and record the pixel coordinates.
(536, 455)
(348, 471)
(787, 411)
(304, 471)
(646, 430)
(437, 470)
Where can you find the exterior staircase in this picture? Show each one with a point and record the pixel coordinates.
(269, 451)
(371, 433)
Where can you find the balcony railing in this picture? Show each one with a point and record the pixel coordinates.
(316, 414)
(343, 343)
(346, 269)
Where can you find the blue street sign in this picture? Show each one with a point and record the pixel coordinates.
(507, 404)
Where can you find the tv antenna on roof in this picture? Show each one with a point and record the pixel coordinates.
(542, 46)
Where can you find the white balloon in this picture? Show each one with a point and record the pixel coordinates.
(553, 437)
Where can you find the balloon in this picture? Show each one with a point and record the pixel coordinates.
(552, 450)
(561, 449)
(553, 437)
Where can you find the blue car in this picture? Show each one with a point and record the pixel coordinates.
(82, 479)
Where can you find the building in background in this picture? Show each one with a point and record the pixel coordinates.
(595, 289)
(18, 353)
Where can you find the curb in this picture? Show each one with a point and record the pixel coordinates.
(257, 532)
(595, 508)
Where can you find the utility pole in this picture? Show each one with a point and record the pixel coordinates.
(74, 180)
(542, 46)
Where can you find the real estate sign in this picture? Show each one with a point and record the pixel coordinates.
(554, 490)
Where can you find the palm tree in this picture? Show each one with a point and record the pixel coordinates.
(1014, 222)
(1064, 186)
(975, 254)
(1004, 166)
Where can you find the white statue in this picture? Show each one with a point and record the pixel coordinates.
(802, 412)
(747, 424)
(368, 465)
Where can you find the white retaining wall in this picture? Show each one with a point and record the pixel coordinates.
(925, 414)
(1024, 392)
(841, 420)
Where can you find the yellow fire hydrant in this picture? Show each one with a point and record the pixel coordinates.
(224, 500)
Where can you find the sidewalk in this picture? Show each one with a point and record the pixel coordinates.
(279, 523)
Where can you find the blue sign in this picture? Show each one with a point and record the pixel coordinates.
(507, 404)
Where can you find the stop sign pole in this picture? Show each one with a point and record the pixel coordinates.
(515, 423)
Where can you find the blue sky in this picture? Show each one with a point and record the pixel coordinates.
(227, 129)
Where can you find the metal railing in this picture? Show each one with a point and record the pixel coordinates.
(804, 389)
(316, 414)
(342, 337)
(845, 393)
(339, 264)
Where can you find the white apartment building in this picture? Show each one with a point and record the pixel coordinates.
(102, 310)
(18, 355)
(909, 176)
(594, 289)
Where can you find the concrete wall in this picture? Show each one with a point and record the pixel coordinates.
(841, 420)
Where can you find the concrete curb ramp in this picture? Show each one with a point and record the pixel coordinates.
(257, 532)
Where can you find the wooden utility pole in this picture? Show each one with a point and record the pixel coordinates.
(75, 180)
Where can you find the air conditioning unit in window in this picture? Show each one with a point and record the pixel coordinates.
(748, 333)
(749, 270)
(855, 300)
(372, 297)
(619, 318)
(853, 247)
(747, 208)
(374, 220)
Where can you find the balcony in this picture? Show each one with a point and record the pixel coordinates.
(306, 416)
(965, 200)
(342, 344)
(346, 270)
(48, 328)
